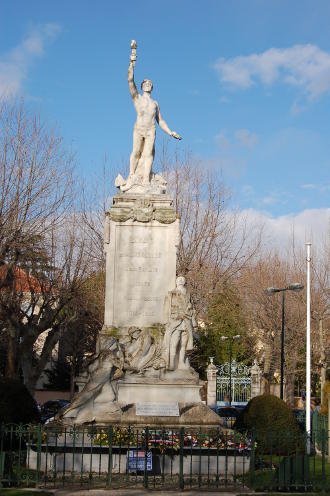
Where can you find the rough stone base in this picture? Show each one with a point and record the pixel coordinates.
(191, 414)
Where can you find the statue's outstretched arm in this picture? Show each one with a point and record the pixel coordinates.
(131, 83)
(164, 126)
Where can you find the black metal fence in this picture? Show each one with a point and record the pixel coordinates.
(122, 457)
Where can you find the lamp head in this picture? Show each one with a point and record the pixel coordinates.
(271, 290)
(296, 286)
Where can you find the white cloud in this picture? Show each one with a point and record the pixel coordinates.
(308, 225)
(318, 187)
(297, 108)
(270, 199)
(15, 64)
(309, 186)
(242, 137)
(247, 190)
(246, 138)
(222, 141)
(303, 66)
(224, 99)
(274, 198)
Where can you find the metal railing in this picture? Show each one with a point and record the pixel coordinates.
(319, 424)
(122, 456)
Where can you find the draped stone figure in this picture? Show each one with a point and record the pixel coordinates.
(178, 337)
(143, 352)
(106, 368)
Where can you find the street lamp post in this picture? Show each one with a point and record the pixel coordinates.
(308, 349)
(270, 291)
(231, 339)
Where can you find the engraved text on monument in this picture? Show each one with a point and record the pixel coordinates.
(140, 274)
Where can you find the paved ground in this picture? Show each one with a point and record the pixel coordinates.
(151, 492)
(138, 492)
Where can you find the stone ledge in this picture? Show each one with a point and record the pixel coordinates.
(142, 208)
(191, 415)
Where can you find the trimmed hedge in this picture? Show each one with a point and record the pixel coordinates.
(16, 403)
(273, 425)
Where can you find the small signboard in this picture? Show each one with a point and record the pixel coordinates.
(136, 461)
(157, 409)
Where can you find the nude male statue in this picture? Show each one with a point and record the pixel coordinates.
(144, 134)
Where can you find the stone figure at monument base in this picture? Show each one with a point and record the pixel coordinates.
(178, 337)
(141, 364)
(99, 391)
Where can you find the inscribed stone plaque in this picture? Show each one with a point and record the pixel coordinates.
(144, 272)
(157, 409)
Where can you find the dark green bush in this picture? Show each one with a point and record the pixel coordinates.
(273, 425)
(16, 403)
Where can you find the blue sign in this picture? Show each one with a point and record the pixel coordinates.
(136, 460)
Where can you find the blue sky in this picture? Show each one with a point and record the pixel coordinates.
(246, 83)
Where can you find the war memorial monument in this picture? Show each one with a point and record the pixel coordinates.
(140, 373)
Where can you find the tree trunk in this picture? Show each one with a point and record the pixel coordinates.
(32, 371)
(11, 355)
(28, 372)
(268, 367)
(72, 376)
(266, 386)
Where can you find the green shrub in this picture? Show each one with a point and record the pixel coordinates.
(16, 403)
(273, 425)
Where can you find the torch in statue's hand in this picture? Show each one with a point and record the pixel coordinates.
(176, 135)
(133, 52)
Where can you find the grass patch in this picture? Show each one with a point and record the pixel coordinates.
(274, 475)
(315, 467)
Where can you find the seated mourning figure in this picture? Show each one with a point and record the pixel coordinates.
(142, 352)
(178, 337)
(98, 393)
(134, 353)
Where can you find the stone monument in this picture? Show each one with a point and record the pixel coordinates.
(140, 374)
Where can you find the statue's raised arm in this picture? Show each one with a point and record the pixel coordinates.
(131, 83)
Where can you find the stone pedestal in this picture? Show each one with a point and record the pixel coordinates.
(141, 239)
(149, 318)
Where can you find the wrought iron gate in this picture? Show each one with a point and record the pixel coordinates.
(240, 384)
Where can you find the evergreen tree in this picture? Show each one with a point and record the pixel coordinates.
(225, 318)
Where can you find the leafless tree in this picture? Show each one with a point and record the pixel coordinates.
(215, 242)
(264, 313)
(95, 201)
(320, 308)
(43, 246)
